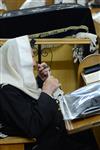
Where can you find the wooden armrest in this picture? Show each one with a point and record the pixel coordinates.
(15, 140)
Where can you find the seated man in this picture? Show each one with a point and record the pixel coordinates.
(28, 111)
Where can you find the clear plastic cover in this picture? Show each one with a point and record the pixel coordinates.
(81, 103)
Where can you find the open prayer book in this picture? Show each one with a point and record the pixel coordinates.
(80, 103)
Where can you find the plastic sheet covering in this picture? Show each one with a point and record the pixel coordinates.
(80, 103)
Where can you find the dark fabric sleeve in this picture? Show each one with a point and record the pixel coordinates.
(23, 115)
(39, 82)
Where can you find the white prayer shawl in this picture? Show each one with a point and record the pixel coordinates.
(16, 66)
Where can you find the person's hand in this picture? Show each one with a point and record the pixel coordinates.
(43, 71)
(50, 85)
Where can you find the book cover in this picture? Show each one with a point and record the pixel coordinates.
(91, 77)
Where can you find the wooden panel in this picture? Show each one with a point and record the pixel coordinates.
(14, 143)
(13, 4)
(14, 140)
(60, 60)
(12, 147)
(49, 2)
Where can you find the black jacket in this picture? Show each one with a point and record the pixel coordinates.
(24, 116)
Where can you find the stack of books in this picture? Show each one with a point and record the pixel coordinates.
(91, 74)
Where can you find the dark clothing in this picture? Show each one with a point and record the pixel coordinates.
(24, 116)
